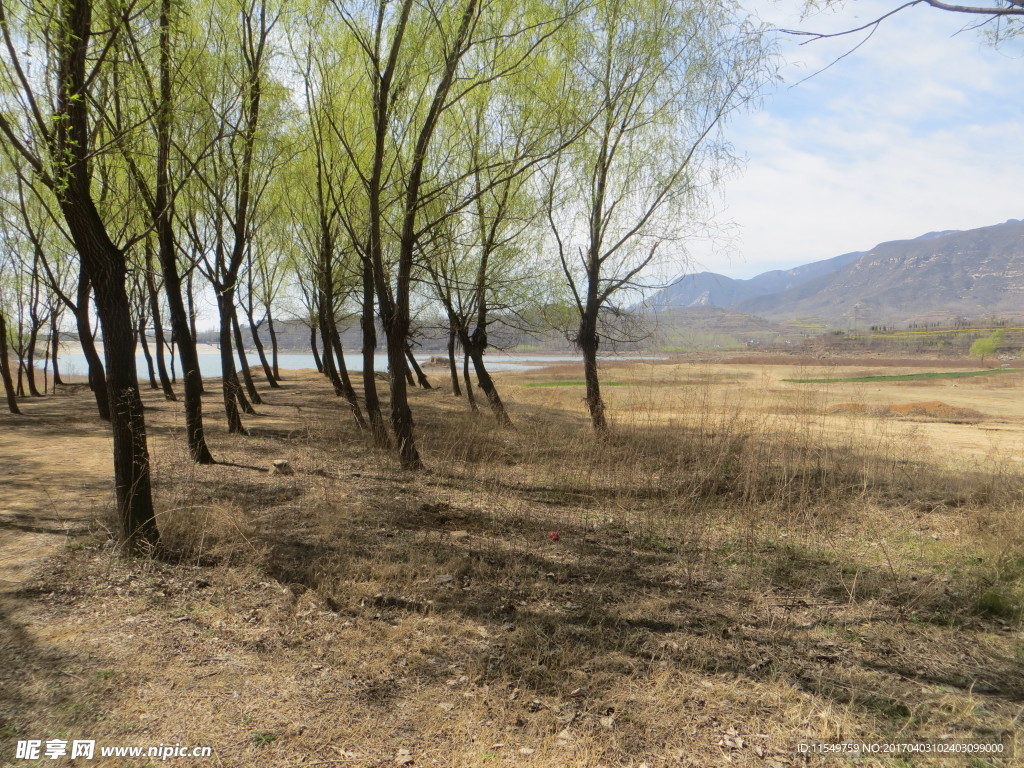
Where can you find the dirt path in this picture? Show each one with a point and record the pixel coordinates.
(50, 487)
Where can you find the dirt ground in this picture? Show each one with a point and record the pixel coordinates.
(353, 614)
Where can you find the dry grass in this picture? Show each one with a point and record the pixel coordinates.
(734, 572)
(934, 410)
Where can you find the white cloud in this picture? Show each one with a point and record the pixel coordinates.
(917, 130)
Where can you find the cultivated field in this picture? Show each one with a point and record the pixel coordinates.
(745, 563)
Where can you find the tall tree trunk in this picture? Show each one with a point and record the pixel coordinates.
(250, 385)
(470, 396)
(106, 267)
(453, 369)
(5, 369)
(97, 376)
(368, 325)
(182, 320)
(273, 344)
(394, 311)
(312, 345)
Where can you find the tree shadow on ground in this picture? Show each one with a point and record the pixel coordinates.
(595, 604)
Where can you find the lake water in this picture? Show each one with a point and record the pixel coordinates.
(73, 363)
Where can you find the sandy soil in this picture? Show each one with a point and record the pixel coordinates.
(54, 477)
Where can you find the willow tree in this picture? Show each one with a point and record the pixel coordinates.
(220, 203)
(663, 76)
(337, 153)
(329, 259)
(422, 60)
(159, 47)
(482, 256)
(48, 118)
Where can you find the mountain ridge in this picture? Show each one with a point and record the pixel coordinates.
(947, 272)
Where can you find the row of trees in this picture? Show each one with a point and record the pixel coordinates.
(357, 157)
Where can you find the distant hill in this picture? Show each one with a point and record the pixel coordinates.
(971, 273)
(945, 274)
(709, 289)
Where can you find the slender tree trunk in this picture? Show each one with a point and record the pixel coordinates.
(273, 344)
(394, 311)
(146, 354)
(453, 369)
(191, 298)
(158, 328)
(30, 371)
(172, 355)
(258, 343)
(348, 391)
(46, 367)
(183, 332)
(181, 337)
(420, 375)
(230, 386)
(487, 385)
(5, 369)
(470, 396)
(250, 385)
(54, 347)
(161, 361)
(330, 370)
(312, 345)
(368, 325)
(97, 376)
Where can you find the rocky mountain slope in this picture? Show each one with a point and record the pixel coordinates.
(972, 273)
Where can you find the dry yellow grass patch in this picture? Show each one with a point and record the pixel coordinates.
(727, 580)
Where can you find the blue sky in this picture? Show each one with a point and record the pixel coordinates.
(918, 130)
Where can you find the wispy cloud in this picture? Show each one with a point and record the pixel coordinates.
(917, 130)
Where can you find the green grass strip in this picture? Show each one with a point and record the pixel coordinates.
(906, 376)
